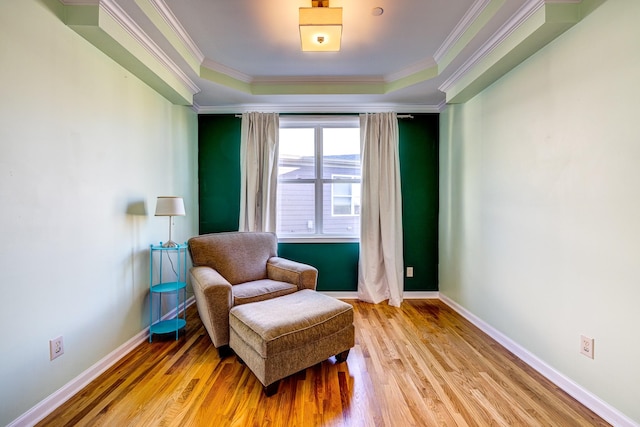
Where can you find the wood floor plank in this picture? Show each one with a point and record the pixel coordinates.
(418, 365)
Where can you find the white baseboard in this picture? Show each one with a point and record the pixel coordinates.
(406, 294)
(594, 403)
(341, 294)
(64, 393)
(421, 295)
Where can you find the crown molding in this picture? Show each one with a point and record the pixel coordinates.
(322, 108)
(226, 76)
(519, 18)
(529, 29)
(80, 2)
(418, 67)
(173, 78)
(175, 25)
(463, 25)
(230, 72)
(283, 80)
(119, 16)
(129, 25)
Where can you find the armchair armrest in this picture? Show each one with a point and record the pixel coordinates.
(302, 275)
(214, 300)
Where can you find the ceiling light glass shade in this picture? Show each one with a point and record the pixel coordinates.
(320, 29)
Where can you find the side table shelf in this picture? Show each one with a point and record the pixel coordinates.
(167, 276)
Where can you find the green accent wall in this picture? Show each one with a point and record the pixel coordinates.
(419, 142)
(219, 172)
(337, 263)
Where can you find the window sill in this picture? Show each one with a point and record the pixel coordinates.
(318, 239)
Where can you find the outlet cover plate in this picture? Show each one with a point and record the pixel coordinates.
(586, 346)
(56, 347)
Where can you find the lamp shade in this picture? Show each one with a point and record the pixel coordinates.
(320, 29)
(170, 206)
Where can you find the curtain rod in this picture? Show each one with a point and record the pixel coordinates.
(400, 116)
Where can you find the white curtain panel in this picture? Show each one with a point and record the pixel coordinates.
(258, 171)
(381, 265)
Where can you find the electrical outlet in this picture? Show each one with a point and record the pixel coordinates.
(586, 346)
(409, 271)
(56, 347)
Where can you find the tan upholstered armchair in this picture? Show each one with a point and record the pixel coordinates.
(238, 268)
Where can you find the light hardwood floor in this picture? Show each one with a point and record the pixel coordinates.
(420, 365)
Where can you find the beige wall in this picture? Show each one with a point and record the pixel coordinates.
(540, 204)
(81, 140)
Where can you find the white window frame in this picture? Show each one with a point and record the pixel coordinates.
(318, 123)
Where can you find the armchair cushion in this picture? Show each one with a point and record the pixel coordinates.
(238, 257)
(260, 290)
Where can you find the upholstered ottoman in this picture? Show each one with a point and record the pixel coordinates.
(284, 335)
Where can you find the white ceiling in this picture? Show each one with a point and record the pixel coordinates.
(400, 60)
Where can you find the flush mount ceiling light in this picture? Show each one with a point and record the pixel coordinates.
(320, 27)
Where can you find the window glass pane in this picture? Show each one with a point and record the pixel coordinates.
(296, 153)
(341, 189)
(342, 206)
(341, 152)
(296, 209)
(341, 214)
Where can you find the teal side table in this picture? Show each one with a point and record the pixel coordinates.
(167, 276)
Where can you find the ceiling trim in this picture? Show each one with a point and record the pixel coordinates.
(166, 22)
(419, 77)
(220, 68)
(321, 108)
(418, 67)
(314, 79)
(472, 22)
(337, 87)
(224, 79)
(466, 21)
(108, 27)
(80, 2)
(176, 26)
(533, 26)
(114, 9)
(443, 55)
(516, 21)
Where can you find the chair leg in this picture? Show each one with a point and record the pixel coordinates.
(342, 357)
(271, 389)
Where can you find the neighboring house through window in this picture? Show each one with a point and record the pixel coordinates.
(319, 177)
(345, 196)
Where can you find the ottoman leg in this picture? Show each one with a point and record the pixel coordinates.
(342, 357)
(271, 389)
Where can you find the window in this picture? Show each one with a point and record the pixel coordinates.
(319, 177)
